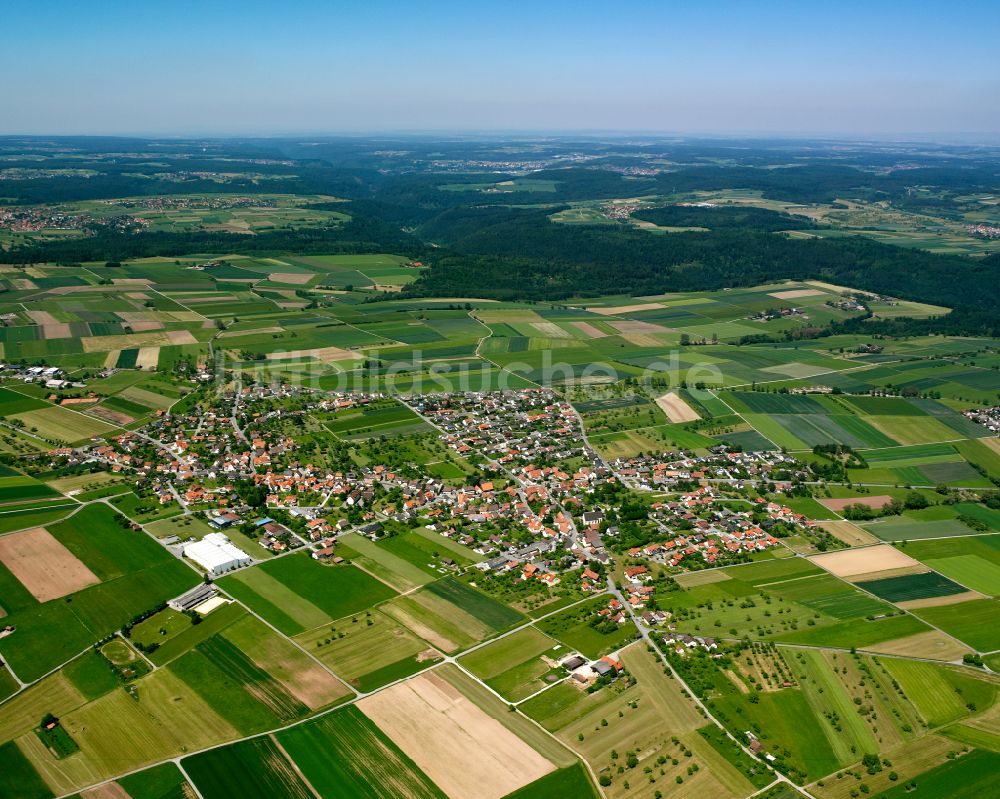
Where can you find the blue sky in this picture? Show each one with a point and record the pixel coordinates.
(880, 67)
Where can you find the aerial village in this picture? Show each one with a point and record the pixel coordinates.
(543, 507)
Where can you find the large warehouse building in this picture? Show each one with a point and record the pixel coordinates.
(216, 554)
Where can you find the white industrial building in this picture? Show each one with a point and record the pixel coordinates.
(216, 554)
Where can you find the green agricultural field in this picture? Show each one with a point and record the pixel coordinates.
(485, 609)
(24, 489)
(567, 783)
(426, 552)
(120, 733)
(91, 675)
(159, 782)
(973, 737)
(61, 425)
(305, 679)
(967, 777)
(441, 623)
(972, 622)
(254, 769)
(931, 688)
(136, 574)
(973, 562)
(513, 666)
(8, 685)
(344, 755)
(368, 649)
(297, 593)
(399, 572)
(12, 402)
(18, 778)
(160, 628)
(912, 586)
(186, 637)
(244, 694)
(904, 528)
(25, 518)
(788, 600)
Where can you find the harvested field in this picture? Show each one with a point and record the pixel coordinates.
(56, 331)
(588, 330)
(676, 409)
(108, 415)
(321, 354)
(142, 327)
(877, 502)
(465, 752)
(43, 565)
(795, 294)
(152, 338)
(212, 298)
(620, 309)
(43, 318)
(302, 676)
(632, 326)
(111, 359)
(642, 339)
(863, 560)
(932, 644)
(885, 574)
(550, 330)
(110, 790)
(296, 278)
(256, 331)
(692, 579)
(148, 356)
(936, 601)
(849, 533)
